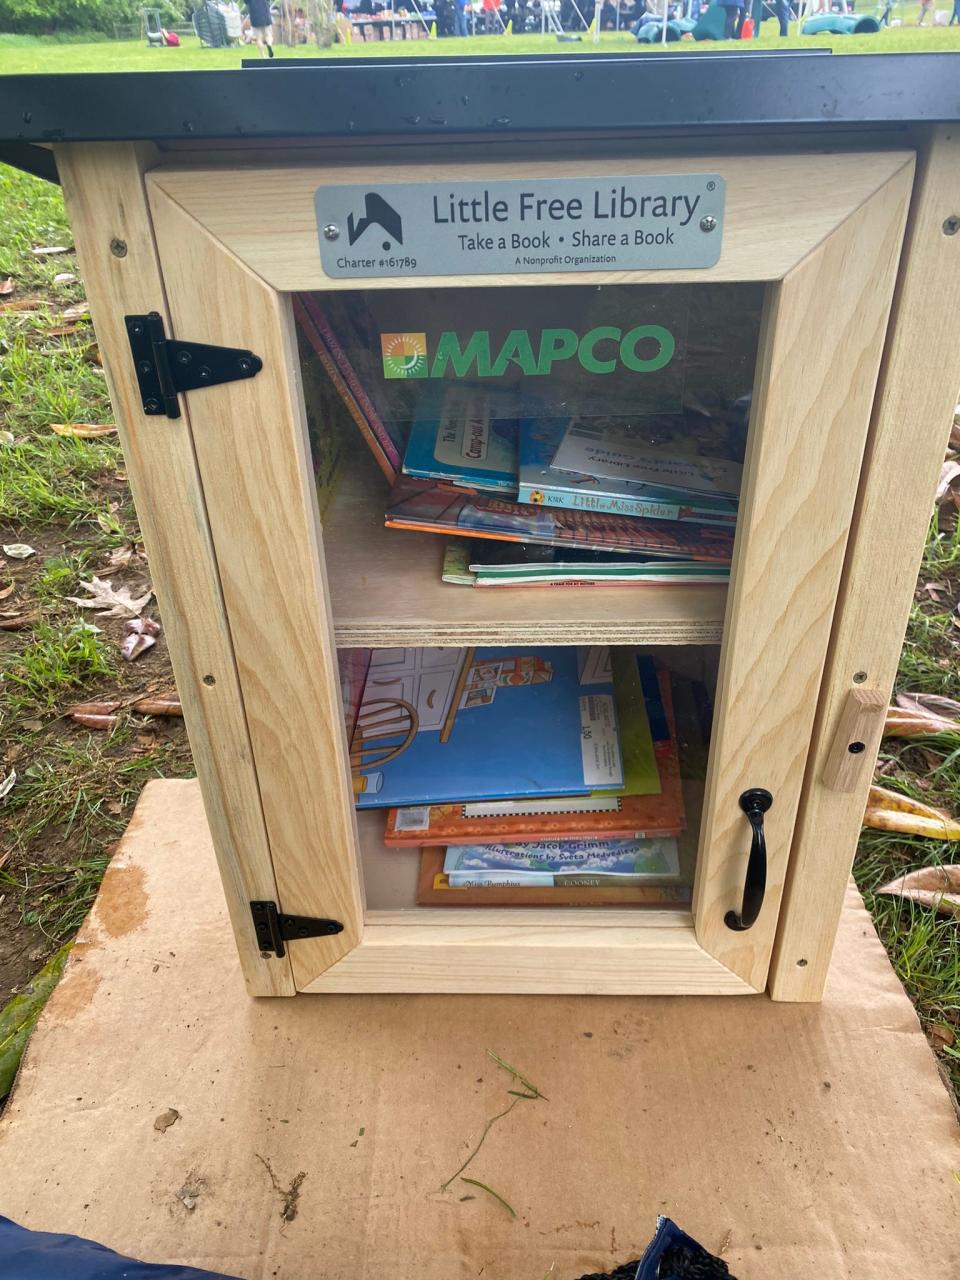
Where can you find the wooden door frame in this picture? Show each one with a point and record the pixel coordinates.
(224, 290)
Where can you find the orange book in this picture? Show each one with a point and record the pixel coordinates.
(620, 817)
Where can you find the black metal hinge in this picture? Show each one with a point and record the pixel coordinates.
(165, 367)
(274, 928)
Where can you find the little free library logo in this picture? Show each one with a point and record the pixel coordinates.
(643, 349)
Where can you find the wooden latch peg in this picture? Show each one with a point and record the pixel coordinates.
(860, 724)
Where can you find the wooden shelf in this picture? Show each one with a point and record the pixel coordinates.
(386, 590)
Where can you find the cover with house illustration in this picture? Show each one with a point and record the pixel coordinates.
(439, 725)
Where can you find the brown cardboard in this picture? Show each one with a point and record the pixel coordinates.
(802, 1140)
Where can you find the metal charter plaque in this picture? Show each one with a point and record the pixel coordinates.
(512, 226)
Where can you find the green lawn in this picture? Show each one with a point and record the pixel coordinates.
(20, 54)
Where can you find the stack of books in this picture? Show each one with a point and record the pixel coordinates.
(540, 498)
(522, 775)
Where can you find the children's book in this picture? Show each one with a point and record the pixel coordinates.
(479, 724)
(434, 890)
(455, 437)
(383, 438)
(598, 817)
(352, 667)
(504, 564)
(553, 862)
(436, 507)
(668, 453)
(541, 483)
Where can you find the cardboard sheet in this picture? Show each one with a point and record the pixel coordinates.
(314, 1133)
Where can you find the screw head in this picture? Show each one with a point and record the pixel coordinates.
(184, 357)
(331, 231)
(951, 225)
(118, 247)
(859, 677)
(245, 364)
(708, 223)
(857, 748)
(151, 406)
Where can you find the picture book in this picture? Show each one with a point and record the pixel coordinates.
(434, 890)
(455, 438)
(442, 725)
(352, 668)
(669, 453)
(563, 818)
(384, 439)
(562, 862)
(541, 483)
(504, 564)
(436, 507)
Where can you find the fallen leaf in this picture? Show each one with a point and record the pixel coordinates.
(139, 635)
(31, 726)
(6, 437)
(158, 707)
(93, 721)
(949, 475)
(23, 304)
(891, 811)
(166, 1119)
(114, 806)
(63, 331)
(94, 708)
(909, 722)
(19, 621)
(109, 601)
(936, 887)
(7, 783)
(47, 251)
(936, 703)
(7, 287)
(83, 430)
(18, 550)
(120, 557)
(942, 1034)
(71, 314)
(8, 591)
(64, 277)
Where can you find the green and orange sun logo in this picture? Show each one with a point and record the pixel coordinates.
(537, 496)
(404, 355)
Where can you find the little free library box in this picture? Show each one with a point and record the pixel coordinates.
(534, 457)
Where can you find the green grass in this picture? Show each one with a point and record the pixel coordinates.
(59, 658)
(28, 54)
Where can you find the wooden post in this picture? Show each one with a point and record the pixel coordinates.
(918, 387)
(104, 190)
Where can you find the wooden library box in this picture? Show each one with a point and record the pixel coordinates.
(286, 265)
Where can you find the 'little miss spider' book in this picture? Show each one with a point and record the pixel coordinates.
(441, 725)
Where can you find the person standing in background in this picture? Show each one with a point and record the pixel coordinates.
(261, 21)
(460, 18)
(733, 18)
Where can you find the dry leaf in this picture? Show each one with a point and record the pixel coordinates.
(71, 314)
(7, 783)
(936, 703)
(139, 635)
(942, 1035)
(6, 437)
(120, 557)
(83, 430)
(63, 331)
(93, 721)
(949, 475)
(158, 707)
(909, 722)
(7, 287)
(19, 621)
(166, 1119)
(94, 708)
(937, 887)
(8, 591)
(47, 251)
(64, 277)
(18, 550)
(109, 601)
(891, 811)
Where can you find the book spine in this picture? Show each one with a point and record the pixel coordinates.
(575, 500)
(324, 342)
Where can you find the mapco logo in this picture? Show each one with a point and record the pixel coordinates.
(404, 355)
(376, 213)
(643, 349)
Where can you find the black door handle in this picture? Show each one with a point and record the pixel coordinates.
(754, 804)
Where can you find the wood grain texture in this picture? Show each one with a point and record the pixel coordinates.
(911, 421)
(778, 209)
(823, 334)
(860, 725)
(529, 958)
(103, 186)
(251, 444)
(385, 590)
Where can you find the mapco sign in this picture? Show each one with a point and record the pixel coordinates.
(509, 227)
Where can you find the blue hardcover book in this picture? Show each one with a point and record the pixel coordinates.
(456, 437)
(439, 726)
(543, 485)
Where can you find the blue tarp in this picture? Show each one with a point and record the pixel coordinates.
(46, 1255)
